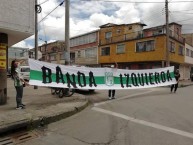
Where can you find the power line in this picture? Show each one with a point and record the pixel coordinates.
(51, 11)
(182, 10)
(43, 2)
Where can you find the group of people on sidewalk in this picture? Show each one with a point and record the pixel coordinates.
(19, 83)
(173, 88)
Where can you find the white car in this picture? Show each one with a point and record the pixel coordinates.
(25, 72)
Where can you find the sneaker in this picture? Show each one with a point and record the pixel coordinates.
(113, 97)
(110, 98)
(20, 107)
(23, 105)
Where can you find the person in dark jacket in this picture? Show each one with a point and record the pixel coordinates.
(177, 77)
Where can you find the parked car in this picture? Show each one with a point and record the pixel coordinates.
(9, 72)
(25, 72)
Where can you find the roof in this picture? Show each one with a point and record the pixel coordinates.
(112, 24)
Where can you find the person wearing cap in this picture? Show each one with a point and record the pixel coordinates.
(18, 83)
(111, 93)
(177, 77)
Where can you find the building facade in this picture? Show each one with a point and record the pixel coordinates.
(133, 47)
(18, 53)
(186, 68)
(50, 52)
(85, 49)
(17, 19)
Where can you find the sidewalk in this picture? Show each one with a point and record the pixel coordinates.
(184, 83)
(41, 108)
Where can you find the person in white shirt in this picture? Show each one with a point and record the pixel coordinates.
(18, 83)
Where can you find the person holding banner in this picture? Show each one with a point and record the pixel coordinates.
(18, 83)
(177, 77)
(111, 93)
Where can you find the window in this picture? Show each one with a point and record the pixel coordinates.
(47, 57)
(62, 56)
(181, 50)
(90, 52)
(177, 31)
(170, 32)
(90, 38)
(108, 35)
(78, 54)
(130, 27)
(120, 48)
(191, 53)
(118, 31)
(145, 46)
(52, 57)
(172, 46)
(105, 51)
(187, 52)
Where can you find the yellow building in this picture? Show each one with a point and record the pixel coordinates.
(133, 47)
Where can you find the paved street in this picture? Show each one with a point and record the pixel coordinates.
(136, 117)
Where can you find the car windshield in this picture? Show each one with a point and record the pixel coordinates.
(25, 69)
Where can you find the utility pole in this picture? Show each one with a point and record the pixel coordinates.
(67, 33)
(3, 67)
(167, 36)
(37, 10)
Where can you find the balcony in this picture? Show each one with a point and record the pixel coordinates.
(138, 35)
(121, 38)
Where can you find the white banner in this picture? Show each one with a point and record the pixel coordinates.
(61, 76)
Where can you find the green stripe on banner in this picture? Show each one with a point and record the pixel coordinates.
(37, 75)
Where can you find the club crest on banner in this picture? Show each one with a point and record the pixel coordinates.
(109, 79)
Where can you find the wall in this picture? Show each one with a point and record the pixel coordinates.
(17, 19)
(189, 59)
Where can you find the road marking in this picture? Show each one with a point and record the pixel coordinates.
(125, 97)
(146, 123)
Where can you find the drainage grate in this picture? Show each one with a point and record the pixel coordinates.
(19, 137)
(6, 141)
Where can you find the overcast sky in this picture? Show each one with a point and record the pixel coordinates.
(88, 15)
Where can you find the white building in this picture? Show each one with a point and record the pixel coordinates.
(18, 53)
(17, 19)
(185, 68)
(16, 24)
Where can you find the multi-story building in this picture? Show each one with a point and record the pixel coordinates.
(188, 38)
(85, 49)
(187, 67)
(51, 52)
(133, 47)
(18, 53)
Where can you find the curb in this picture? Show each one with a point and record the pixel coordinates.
(40, 120)
(179, 86)
(44, 120)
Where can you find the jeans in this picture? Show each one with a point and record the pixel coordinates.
(19, 95)
(113, 93)
(174, 86)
